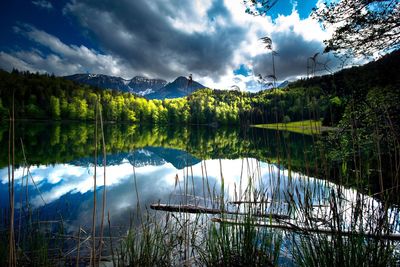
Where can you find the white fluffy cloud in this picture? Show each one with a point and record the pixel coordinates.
(43, 4)
(63, 60)
(294, 39)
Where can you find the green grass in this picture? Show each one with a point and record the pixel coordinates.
(303, 127)
(354, 250)
(241, 244)
(151, 244)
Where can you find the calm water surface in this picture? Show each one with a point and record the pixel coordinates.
(149, 165)
(143, 164)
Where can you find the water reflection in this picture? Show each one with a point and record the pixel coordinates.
(57, 187)
(74, 143)
(165, 165)
(67, 190)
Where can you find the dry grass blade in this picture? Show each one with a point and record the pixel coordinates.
(104, 184)
(93, 251)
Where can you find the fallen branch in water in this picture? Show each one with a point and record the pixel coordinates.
(255, 202)
(308, 230)
(199, 209)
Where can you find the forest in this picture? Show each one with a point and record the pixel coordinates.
(327, 98)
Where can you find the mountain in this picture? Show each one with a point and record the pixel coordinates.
(149, 88)
(283, 84)
(178, 88)
(144, 86)
(154, 156)
(138, 85)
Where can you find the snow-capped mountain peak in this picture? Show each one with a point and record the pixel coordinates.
(150, 88)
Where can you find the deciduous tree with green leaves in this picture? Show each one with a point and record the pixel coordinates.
(362, 27)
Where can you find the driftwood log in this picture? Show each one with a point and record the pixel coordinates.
(306, 230)
(205, 210)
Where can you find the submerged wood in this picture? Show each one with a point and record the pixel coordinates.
(199, 209)
(239, 202)
(305, 229)
(255, 202)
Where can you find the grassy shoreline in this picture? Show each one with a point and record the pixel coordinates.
(309, 127)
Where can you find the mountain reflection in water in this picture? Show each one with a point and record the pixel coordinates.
(67, 189)
(152, 165)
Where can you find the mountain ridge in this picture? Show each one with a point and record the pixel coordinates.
(139, 85)
(180, 87)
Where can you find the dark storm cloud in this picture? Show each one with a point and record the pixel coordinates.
(165, 39)
(293, 52)
(142, 34)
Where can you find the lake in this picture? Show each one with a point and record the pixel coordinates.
(225, 169)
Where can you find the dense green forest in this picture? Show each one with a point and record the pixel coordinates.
(48, 97)
(325, 98)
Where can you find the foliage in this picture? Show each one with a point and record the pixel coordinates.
(357, 80)
(320, 98)
(152, 244)
(51, 143)
(361, 27)
(350, 247)
(259, 7)
(45, 97)
(369, 136)
(241, 244)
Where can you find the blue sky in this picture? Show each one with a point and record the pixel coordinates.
(213, 39)
(285, 8)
